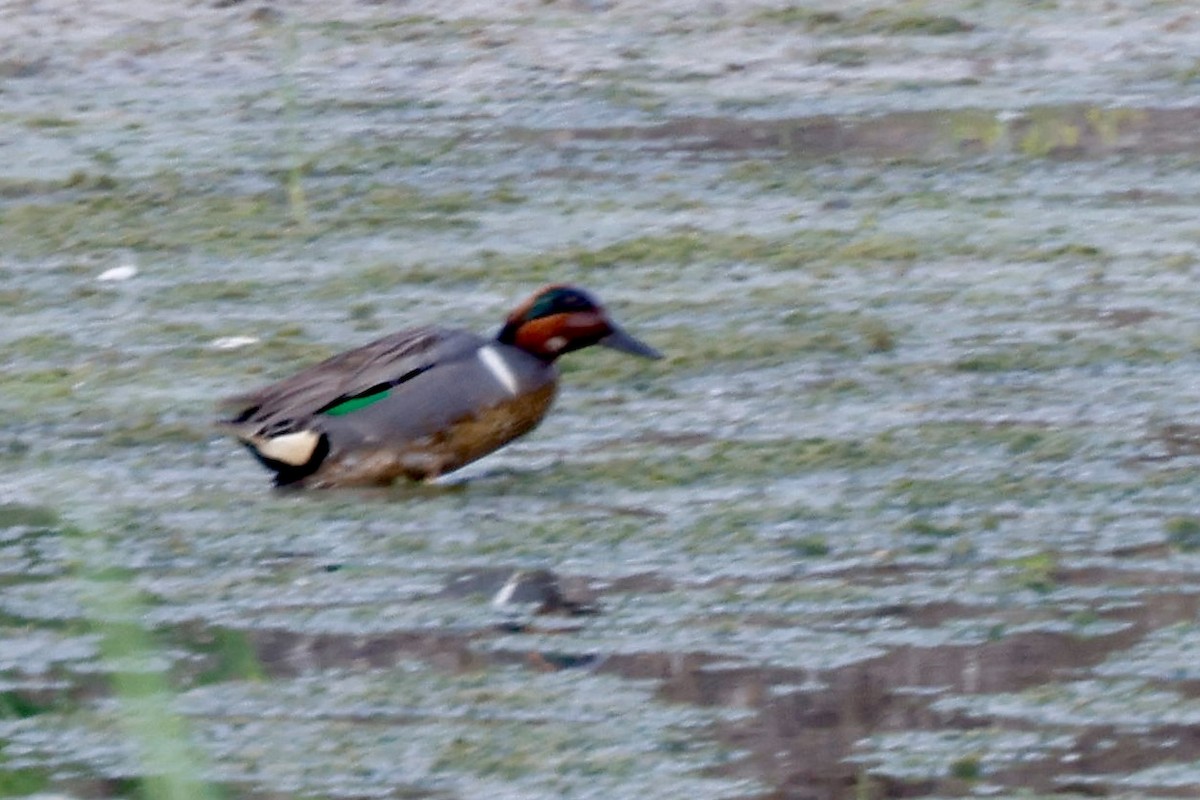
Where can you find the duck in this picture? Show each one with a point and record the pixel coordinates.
(422, 402)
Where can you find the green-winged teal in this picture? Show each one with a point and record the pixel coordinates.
(421, 402)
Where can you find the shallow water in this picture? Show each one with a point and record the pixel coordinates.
(908, 511)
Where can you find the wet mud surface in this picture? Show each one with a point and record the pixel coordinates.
(909, 509)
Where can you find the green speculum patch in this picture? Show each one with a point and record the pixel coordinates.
(355, 403)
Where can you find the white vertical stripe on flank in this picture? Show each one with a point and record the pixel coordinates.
(499, 369)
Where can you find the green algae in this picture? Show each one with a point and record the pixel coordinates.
(229, 656)
(133, 219)
(184, 294)
(1067, 355)
(905, 19)
(50, 122)
(1183, 532)
(1022, 441)
(22, 782)
(149, 428)
(206, 215)
(749, 459)
(924, 527)
(921, 494)
(1037, 571)
(20, 515)
(843, 56)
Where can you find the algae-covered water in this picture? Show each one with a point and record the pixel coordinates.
(909, 509)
